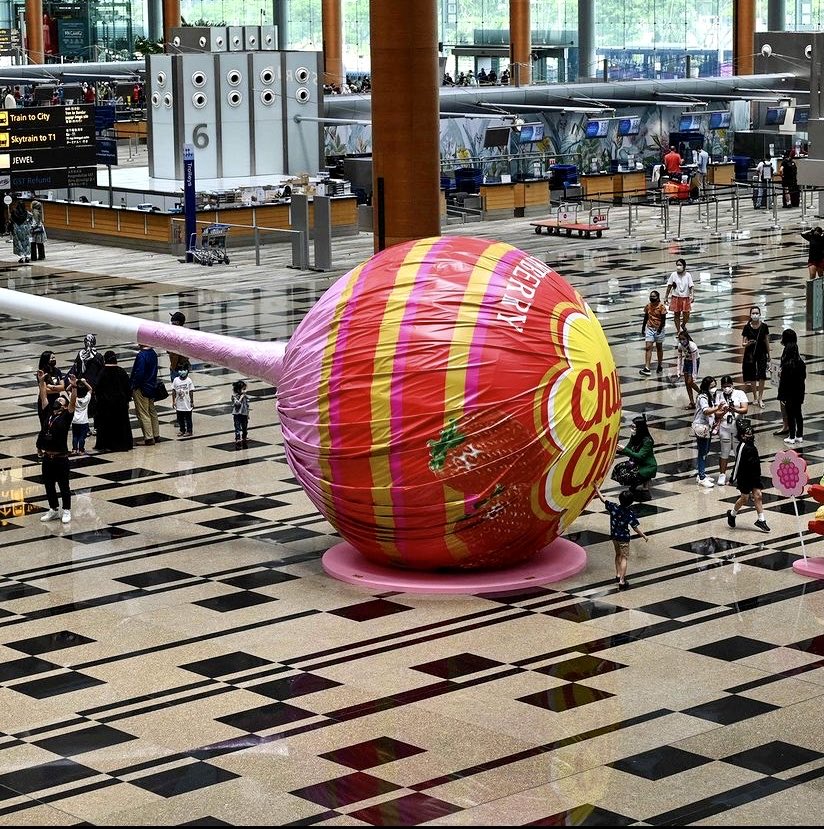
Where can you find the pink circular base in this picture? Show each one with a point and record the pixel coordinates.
(812, 567)
(558, 560)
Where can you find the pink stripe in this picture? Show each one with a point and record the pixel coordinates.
(335, 375)
(495, 288)
(298, 403)
(399, 366)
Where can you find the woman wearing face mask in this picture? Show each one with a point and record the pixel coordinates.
(642, 466)
(54, 385)
(55, 463)
(682, 288)
(183, 390)
(755, 337)
(689, 361)
(733, 403)
(706, 408)
(652, 330)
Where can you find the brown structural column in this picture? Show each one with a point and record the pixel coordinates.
(520, 43)
(743, 29)
(332, 43)
(34, 30)
(405, 122)
(171, 18)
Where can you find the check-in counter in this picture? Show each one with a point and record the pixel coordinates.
(517, 198)
(535, 197)
(721, 173)
(153, 230)
(599, 186)
(631, 184)
(137, 130)
(498, 199)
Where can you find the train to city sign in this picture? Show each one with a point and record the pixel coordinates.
(36, 118)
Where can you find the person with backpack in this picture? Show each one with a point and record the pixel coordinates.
(763, 193)
(789, 180)
(791, 389)
(746, 475)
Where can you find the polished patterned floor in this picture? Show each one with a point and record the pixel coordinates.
(176, 656)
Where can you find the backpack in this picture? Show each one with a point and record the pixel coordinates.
(741, 425)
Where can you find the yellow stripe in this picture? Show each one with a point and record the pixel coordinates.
(383, 364)
(324, 434)
(466, 322)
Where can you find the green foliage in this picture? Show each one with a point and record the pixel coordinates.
(202, 22)
(143, 46)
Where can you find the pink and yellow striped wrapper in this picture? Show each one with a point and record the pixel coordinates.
(451, 402)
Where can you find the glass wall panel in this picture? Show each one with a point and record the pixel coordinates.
(637, 38)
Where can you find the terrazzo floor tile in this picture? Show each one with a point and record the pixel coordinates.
(179, 656)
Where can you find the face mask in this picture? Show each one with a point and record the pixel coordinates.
(755, 315)
(632, 430)
(712, 387)
(184, 375)
(654, 300)
(679, 269)
(53, 361)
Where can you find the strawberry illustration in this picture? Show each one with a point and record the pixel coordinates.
(482, 450)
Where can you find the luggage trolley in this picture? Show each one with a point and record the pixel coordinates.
(212, 247)
(583, 219)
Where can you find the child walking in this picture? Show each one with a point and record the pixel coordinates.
(746, 475)
(652, 330)
(621, 518)
(689, 361)
(240, 413)
(183, 390)
(80, 421)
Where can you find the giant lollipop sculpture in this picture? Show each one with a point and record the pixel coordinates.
(449, 404)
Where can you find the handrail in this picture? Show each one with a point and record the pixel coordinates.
(298, 241)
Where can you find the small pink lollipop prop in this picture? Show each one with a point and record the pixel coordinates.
(789, 477)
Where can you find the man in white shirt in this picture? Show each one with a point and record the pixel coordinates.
(764, 174)
(10, 102)
(703, 161)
